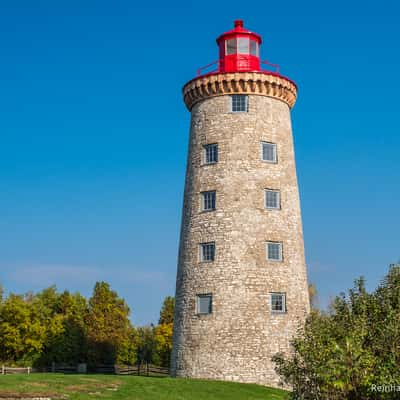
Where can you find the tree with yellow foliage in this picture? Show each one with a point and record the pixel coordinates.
(163, 332)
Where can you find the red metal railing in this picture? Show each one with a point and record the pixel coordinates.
(200, 70)
(216, 63)
(276, 66)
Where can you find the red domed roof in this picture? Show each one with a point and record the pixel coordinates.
(239, 30)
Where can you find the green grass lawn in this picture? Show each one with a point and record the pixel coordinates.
(83, 387)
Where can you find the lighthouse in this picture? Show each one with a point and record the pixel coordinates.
(241, 286)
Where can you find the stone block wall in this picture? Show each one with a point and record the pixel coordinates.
(237, 340)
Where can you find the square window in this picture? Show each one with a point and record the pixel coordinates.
(208, 200)
(269, 152)
(239, 103)
(210, 153)
(207, 252)
(274, 251)
(272, 199)
(204, 304)
(253, 48)
(243, 45)
(278, 302)
(230, 46)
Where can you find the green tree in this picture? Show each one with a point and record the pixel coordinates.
(146, 346)
(62, 327)
(341, 354)
(74, 307)
(45, 309)
(109, 330)
(22, 334)
(127, 348)
(66, 333)
(384, 326)
(167, 311)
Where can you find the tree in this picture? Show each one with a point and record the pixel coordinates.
(108, 327)
(44, 307)
(127, 349)
(341, 354)
(384, 326)
(313, 295)
(167, 311)
(58, 327)
(22, 334)
(146, 346)
(66, 333)
(163, 343)
(163, 332)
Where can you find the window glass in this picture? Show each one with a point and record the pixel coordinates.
(278, 302)
(253, 48)
(231, 46)
(274, 251)
(239, 103)
(207, 252)
(204, 304)
(243, 45)
(210, 153)
(269, 152)
(272, 199)
(208, 200)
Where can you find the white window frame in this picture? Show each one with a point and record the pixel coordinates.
(275, 146)
(283, 311)
(203, 200)
(246, 103)
(256, 48)
(243, 45)
(201, 253)
(280, 251)
(207, 295)
(210, 145)
(278, 192)
(233, 40)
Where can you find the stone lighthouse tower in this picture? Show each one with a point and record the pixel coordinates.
(241, 288)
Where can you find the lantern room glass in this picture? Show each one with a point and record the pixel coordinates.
(230, 46)
(253, 48)
(243, 45)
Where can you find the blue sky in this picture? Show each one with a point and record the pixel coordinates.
(94, 135)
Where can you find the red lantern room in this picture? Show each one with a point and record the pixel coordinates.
(239, 50)
(239, 68)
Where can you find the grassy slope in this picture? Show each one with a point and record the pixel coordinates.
(83, 387)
